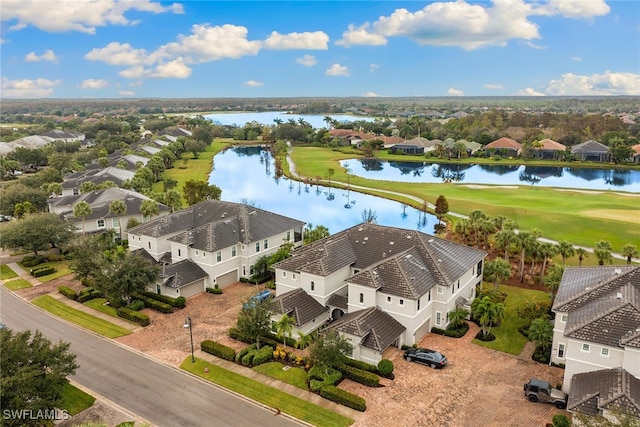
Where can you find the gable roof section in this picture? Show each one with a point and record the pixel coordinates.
(505, 143)
(99, 201)
(591, 392)
(551, 145)
(590, 146)
(377, 329)
(299, 305)
(182, 273)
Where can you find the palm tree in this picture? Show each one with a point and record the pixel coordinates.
(503, 240)
(82, 210)
(603, 252)
(149, 208)
(582, 254)
(629, 251)
(284, 326)
(546, 250)
(553, 279)
(457, 317)
(487, 312)
(118, 208)
(566, 250)
(541, 333)
(304, 340)
(497, 270)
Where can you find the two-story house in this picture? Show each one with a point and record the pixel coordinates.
(597, 332)
(224, 239)
(383, 285)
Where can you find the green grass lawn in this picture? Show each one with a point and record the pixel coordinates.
(294, 376)
(6, 272)
(16, 284)
(62, 269)
(508, 338)
(578, 217)
(98, 304)
(294, 406)
(80, 318)
(75, 400)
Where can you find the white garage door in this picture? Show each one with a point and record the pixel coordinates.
(227, 278)
(423, 329)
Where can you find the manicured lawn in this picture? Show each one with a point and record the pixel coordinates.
(294, 406)
(508, 338)
(75, 400)
(80, 318)
(98, 304)
(16, 284)
(581, 218)
(62, 269)
(6, 272)
(294, 376)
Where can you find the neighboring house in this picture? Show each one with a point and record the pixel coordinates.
(150, 149)
(63, 135)
(509, 147)
(29, 142)
(411, 277)
(610, 393)
(548, 149)
(177, 132)
(182, 279)
(597, 323)
(635, 157)
(415, 146)
(472, 146)
(591, 151)
(224, 239)
(100, 218)
(307, 313)
(72, 182)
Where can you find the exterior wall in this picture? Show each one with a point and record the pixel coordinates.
(578, 360)
(186, 291)
(324, 287)
(368, 355)
(360, 297)
(631, 361)
(558, 339)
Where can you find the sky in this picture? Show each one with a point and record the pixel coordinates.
(331, 48)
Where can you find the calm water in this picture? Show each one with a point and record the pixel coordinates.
(546, 176)
(268, 117)
(247, 174)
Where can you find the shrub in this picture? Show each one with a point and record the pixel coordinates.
(560, 420)
(242, 353)
(248, 358)
(215, 291)
(360, 376)
(68, 292)
(180, 302)
(343, 397)
(278, 340)
(320, 377)
(218, 350)
(134, 316)
(32, 260)
(405, 347)
(542, 355)
(235, 334)
(173, 302)
(88, 294)
(385, 367)
(454, 333)
(486, 338)
(362, 365)
(135, 305)
(263, 355)
(42, 271)
(154, 303)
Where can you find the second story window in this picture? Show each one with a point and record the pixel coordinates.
(218, 256)
(313, 286)
(233, 251)
(257, 246)
(101, 223)
(265, 244)
(361, 298)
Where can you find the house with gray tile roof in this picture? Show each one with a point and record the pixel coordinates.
(224, 239)
(181, 279)
(72, 182)
(307, 313)
(597, 323)
(591, 151)
(413, 277)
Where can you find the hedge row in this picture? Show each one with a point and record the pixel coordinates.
(68, 292)
(154, 304)
(362, 365)
(32, 260)
(88, 294)
(42, 271)
(179, 302)
(218, 350)
(454, 333)
(216, 291)
(320, 377)
(272, 340)
(135, 316)
(343, 397)
(135, 305)
(360, 376)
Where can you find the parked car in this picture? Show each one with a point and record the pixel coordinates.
(541, 391)
(433, 358)
(257, 298)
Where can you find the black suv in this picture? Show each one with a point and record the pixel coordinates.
(541, 391)
(432, 358)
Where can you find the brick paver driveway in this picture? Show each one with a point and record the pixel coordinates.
(479, 387)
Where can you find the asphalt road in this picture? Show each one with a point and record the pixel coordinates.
(161, 394)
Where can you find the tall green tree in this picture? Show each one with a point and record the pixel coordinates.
(441, 207)
(566, 250)
(304, 340)
(196, 191)
(118, 208)
(82, 210)
(311, 233)
(34, 372)
(496, 271)
(553, 278)
(36, 233)
(330, 349)
(457, 317)
(254, 320)
(487, 312)
(541, 332)
(547, 251)
(284, 327)
(629, 251)
(503, 240)
(582, 254)
(602, 251)
(149, 208)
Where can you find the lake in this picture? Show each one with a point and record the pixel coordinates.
(247, 174)
(268, 117)
(544, 176)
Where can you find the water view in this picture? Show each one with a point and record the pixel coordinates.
(268, 117)
(247, 174)
(546, 176)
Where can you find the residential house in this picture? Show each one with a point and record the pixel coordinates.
(505, 146)
(101, 219)
(72, 182)
(597, 323)
(635, 157)
(411, 277)
(63, 135)
(592, 151)
(548, 149)
(31, 142)
(224, 239)
(307, 313)
(415, 146)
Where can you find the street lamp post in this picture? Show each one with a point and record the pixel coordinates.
(187, 324)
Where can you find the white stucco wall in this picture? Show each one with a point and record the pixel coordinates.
(578, 360)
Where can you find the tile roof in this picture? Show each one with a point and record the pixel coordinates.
(339, 301)
(505, 143)
(99, 201)
(590, 146)
(549, 144)
(591, 392)
(401, 262)
(182, 273)
(299, 305)
(377, 329)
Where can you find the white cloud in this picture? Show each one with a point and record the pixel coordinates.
(253, 83)
(454, 92)
(48, 55)
(361, 36)
(133, 72)
(38, 88)
(307, 60)
(493, 86)
(77, 15)
(468, 25)
(127, 93)
(94, 84)
(120, 54)
(371, 95)
(608, 83)
(173, 69)
(337, 70)
(536, 46)
(373, 67)
(528, 92)
(317, 40)
(576, 59)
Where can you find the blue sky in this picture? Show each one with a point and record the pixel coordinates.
(146, 48)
